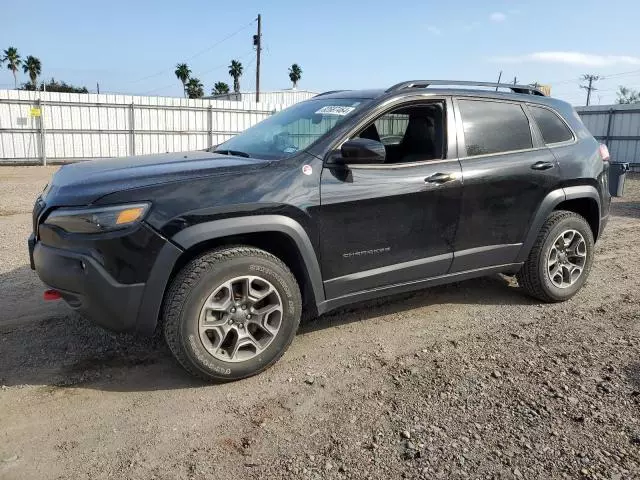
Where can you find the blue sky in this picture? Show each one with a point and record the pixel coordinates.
(132, 46)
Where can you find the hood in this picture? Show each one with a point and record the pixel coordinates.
(85, 182)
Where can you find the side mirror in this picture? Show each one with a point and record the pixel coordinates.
(362, 151)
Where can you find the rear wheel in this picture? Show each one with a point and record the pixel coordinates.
(560, 260)
(231, 313)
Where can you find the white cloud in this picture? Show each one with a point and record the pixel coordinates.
(434, 30)
(571, 58)
(498, 17)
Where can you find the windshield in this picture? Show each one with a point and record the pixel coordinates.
(286, 132)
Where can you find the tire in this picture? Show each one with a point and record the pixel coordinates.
(224, 271)
(535, 277)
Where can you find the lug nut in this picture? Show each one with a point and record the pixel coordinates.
(230, 322)
(248, 316)
(241, 325)
(244, 307)
(233, 309)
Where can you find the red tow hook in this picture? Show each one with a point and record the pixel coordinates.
(52, 295)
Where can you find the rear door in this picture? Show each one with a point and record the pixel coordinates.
(394, 223)
(507, 171)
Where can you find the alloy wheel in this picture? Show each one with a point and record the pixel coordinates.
(240, 318)
(567, 258)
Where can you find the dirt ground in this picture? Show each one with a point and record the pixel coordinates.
(472, 380)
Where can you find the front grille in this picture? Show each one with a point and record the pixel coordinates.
(38, 208)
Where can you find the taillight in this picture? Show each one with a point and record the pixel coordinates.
(604, 153)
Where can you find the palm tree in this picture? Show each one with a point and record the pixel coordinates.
(13, 62)
(183, 72)
(235, 70)
(220, 88)
(33, 67)
(295, 74)
(195, 89)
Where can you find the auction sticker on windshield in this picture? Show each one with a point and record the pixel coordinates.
(335, 110)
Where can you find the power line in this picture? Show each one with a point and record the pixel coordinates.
(217, 67)
(602, 77)
(243, 57)
(631, 72)
(201, 52)
(222, 40)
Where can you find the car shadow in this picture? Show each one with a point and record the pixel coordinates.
(491, 290)
(57, 348)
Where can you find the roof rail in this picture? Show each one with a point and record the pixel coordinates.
(525, 89)
(330, 92)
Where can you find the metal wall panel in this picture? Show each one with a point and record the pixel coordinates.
(86, 126)
(617, 126)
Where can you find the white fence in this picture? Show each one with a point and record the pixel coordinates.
(617, 126)
(40, 127)
(283, 97)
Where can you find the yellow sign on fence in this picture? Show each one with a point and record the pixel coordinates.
(35, 112)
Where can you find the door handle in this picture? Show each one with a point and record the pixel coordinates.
(542, 166)
(440, 178)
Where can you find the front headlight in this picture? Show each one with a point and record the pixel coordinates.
(98, 219)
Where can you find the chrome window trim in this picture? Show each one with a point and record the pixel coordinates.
(388, 166)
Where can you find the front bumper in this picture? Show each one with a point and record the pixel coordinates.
(87, 287)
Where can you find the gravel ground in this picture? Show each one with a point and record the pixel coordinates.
(472, 380)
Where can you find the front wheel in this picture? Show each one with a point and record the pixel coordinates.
(560, 259)
(231, 313)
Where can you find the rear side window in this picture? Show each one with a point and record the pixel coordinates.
(494, 127)
(553, 129)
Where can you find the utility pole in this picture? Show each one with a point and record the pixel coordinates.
(98, 86)
(257, 41)
(515, 80)
(499, 77)
(589, 88)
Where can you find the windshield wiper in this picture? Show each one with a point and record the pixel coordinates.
(237, 153)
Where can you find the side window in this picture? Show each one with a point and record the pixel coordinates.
(494, 127)
(410, 134)
(553, 129)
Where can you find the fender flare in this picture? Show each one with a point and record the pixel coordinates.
(191, 236)
(548, 204)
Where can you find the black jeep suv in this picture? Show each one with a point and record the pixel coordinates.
(345, 197)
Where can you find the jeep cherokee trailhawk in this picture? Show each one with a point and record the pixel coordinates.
(345, 197)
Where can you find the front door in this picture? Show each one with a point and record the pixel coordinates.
(507, 171)
(394, 223)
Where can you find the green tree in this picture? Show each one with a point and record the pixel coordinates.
(235, 70)
(295, 74)
(54, 86)
(627, 95)
(33, 68)
(195, 89)
(183, 72)
(220, 88)
(13, 61)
